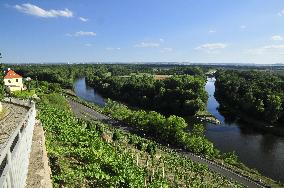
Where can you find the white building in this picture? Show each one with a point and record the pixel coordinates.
(13, 81)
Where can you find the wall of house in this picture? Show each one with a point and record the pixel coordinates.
(14, 84)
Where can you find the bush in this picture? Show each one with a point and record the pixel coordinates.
(116, 136)
(23, 94)
(151, 149)
(141, 146)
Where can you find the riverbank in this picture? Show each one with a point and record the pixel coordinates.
(258, 125)
(240, 169)
(207, 117)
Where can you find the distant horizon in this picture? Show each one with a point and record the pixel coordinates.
(246, 31)
(148, 63)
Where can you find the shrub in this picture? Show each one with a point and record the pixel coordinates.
(151, 149)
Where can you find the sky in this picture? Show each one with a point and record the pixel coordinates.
(196, 31)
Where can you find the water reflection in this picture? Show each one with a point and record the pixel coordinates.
(87, 93)
(264, 152)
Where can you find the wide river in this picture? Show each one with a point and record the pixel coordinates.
(258, 150)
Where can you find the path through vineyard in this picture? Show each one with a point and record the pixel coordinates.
(85, 112)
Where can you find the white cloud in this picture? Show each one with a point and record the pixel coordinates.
(110, 48)
(212, 31)
(273, 47)
(167, 50)
(83, 19)
(277, 38)
(268, 49)
(147, 45)
(88, 45)
(39, 12)
(211, 46)
(82, 33)
(281, 13)
(243, 26)
(161, 40)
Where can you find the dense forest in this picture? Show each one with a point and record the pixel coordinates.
(257, 94)
(177, 94)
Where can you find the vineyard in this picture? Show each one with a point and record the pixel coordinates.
(150, 124)
(92, 154)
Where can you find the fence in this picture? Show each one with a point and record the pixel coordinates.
(14, 156)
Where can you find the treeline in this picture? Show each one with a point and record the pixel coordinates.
(181, 94)
(257, 94)
(169, 130)
(65, 74)
(62, 74)
(178, 94)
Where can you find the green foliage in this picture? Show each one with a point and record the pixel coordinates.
(60, 74)
(168, 130)
(141, 146)
(198, 130)
(231, 158)
(78, 157)
(116, 136)
(151, 149)
(55, 100)
(23, 94)
(254, 93)
(178, 94)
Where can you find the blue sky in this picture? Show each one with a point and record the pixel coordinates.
(205, 31)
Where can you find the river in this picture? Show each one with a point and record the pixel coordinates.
(258, 150)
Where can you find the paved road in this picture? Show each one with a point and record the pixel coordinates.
(82, 111)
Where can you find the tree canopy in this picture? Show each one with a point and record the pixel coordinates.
(257, 94)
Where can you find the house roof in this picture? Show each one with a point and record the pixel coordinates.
(12, 74)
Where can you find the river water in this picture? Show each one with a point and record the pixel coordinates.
(258, 150)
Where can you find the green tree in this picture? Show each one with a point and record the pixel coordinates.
(273, 108)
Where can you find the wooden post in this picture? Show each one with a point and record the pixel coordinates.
(147, 162)
(137, 160)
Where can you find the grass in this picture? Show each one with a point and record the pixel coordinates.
(23, 94)
(56, 100)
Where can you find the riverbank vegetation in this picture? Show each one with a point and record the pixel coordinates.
(92, 154)
(259, 95)
(168, 130)
(178, 94)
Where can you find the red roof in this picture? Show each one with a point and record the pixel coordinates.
(11, 74)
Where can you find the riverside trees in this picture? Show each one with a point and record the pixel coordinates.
(178, 94)
(257, 94)
(169, 130)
